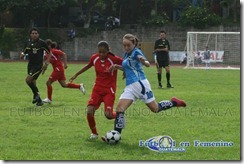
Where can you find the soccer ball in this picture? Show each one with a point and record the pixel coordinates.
(112, 137)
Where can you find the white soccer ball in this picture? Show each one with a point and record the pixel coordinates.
(112, 137)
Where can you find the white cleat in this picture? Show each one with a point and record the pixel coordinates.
(82, 89)
(93, 136)
(46, 100)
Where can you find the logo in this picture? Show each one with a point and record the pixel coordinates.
(161, 144)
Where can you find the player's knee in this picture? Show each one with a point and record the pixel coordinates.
(108, 115)
(90, 110)
(48, 83)
(28, 80)
(64, 85)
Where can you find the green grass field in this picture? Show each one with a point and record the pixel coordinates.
(60, 131)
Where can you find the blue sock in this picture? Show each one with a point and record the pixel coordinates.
(165, 104)
(119, 121)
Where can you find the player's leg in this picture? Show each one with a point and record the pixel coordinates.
(93, 105)
(33, 74)
(167, 70)
(165, 104)
(159, 73)
(108, 101)
(91, 121)
(49, 91)
(119, 121)
(62, 82)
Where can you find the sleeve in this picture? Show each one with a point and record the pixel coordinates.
(168, 45)
(90, 63)
(138, 52)
(155, 45)
(45, 47)
(119, 60)
(25, 48)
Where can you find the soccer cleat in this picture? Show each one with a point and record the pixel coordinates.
(39, 103)
(103, 139)
(47, 100)
(160, 86)
(82, 89)
(179, 102)
(93, 136)
(169, 85)
(34, 99)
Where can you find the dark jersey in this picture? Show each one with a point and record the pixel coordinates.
(162, 43)
(35, 51)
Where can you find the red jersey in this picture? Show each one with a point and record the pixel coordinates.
(56, 59)
(104, 77)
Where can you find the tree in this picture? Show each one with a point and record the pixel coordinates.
(234, 5)
(89, 10)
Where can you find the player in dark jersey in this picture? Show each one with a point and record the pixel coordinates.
(162, 48)
(35, 51)
(104, 88)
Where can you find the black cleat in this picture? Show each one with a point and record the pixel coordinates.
(160, 86)
(169, 86)
(39, 103)
(34, 99)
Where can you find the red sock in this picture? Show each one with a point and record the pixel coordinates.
(49, 92)
(71, 85)
(92, 123)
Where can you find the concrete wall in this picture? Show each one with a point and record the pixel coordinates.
(82, 48)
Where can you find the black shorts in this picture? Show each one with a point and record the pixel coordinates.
(162, 63)
(34, 71)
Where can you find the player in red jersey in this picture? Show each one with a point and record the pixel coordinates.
(58, 71)
(105, 85)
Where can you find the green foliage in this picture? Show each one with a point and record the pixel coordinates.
(59, 131)
(199, 18)
(155, 20)
(7, 41)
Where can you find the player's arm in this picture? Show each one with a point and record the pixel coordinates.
(23, 53)
(46, 62)
(117, 65)
(85, 68)
(65, 60)
(144, 61)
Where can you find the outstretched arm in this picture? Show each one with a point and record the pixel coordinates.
(144, 61)
(85, 68)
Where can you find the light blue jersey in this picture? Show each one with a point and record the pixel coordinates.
(133, 67)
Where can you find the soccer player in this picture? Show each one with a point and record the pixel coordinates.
(207, 56)
(35, 50)
(59, 63)
(162, 48)
(137, 85)
(104, 88)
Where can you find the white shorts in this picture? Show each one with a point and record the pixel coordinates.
(139, 90)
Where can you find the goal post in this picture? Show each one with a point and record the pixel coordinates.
(224, 48)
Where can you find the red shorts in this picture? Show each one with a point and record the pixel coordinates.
(57, 74)
(105, 95)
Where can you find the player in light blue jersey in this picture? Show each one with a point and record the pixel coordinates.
(137, 85)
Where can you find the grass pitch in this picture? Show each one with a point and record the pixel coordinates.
(60, 131)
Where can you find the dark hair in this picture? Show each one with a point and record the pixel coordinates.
(162, 31)
(49, 42)
(103, 44)
(54, 45)
(33, 29)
